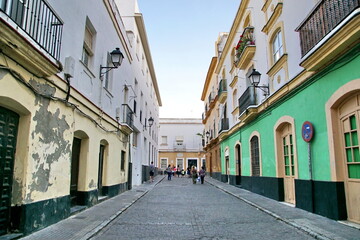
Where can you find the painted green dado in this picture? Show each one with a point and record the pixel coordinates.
(31, 217)
(307, 103)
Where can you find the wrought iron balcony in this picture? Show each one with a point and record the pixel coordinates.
(37, 19)
(247, 99)
(179, 146)
(127, 116)
(222, 91)
(245, 49)
(224, 124)
(322, 20)
(211, 97)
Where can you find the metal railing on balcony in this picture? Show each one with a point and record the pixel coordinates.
(247, 99)
(324, 18)
(38, 20)
(128, 115)
(224, 124)
(179, 147)
(222, 86)
(211, 97)
(246, 39)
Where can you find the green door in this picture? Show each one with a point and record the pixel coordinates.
(8, 131)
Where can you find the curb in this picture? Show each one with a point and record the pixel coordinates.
(274, 215)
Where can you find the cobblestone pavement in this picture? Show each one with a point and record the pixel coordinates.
(178, 209)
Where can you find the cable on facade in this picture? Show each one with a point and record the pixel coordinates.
(18, 77)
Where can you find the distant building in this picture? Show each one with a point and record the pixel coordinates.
(180, 143)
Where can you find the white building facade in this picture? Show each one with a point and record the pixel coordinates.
(68, 110)
(143, 94)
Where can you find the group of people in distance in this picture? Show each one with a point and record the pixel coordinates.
(190, 171)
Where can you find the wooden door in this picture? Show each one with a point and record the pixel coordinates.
(350, 122)
(289, 165)
(75, 158)
(100, 171)
(8, 132)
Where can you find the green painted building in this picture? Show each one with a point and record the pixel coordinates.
(297, 141)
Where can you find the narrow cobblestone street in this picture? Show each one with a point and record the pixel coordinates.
(178, 209)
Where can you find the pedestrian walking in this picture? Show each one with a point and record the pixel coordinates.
(178, 171)
(188, 172)
(169, 172)
(202, 174)
(152, 171)
(194, 174)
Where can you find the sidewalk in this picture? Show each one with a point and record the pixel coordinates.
(86, 224)
(315, 225)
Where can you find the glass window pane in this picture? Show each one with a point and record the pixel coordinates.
(291, 142)
(287, 171)
(286, 160)
(354, 139)
(353, 122)
(347, 140)
(354, 171)
(356, 154)
(286, 150)
(348, 155)
(292, 160)
(292, 170)
(291, 149)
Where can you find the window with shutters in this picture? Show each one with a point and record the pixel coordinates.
(255, 159)
(88, 46)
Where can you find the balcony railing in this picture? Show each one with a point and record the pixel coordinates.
(247, 99)
(246, 39)
(222, 86)
(128, 115)
(211, 97)
(224, 124)
(179, 147)
(38, 20)
(324, 18)
(222, 91)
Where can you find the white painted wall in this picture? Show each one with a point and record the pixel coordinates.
(87, 81)
(188, 128)
(144, 93)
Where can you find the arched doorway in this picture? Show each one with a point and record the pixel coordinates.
(102, 158)
(286, 158)
(78, 162)
(9, 122)
(349, 118)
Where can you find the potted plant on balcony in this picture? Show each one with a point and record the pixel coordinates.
(243, 42)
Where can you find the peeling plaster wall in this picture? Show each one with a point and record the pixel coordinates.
(45, 136)
(50, 150)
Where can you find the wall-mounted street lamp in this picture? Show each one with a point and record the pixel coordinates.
(255, 80)
(116, 59)
(207, 136)
(150, 121)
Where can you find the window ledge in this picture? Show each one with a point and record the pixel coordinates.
(87, 69)
(273, 18)
(277, 66)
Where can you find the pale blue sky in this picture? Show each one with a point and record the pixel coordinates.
(182, 35)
